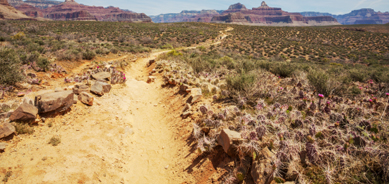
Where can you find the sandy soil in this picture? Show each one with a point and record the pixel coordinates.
(134, 134)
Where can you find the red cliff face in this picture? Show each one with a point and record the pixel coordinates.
(265, 15)
(30, 10)
(4, 2)
(71, 10)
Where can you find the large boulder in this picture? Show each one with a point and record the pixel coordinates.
(226, 138)
(79, 88)
(99, 88)
(86, 98)
(262, 170)
(196, 94)
(6, 129)
(102, 76)
(57, 101)
(24, 112)
(3, 146)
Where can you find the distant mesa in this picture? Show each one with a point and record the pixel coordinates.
(265, 15)
(239, 14)
(362, 16)
(71, 10)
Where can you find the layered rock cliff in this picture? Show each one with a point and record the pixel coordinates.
(265, 15)
(362, 16)
(71, 10)
(41, 4)
(8, 12)
(239, 14)
(186, 16)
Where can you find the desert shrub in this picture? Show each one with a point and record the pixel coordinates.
(355, 91)
(32, 29)
(380, 76)
(114, 50)
(283, 69)
(54, 141)
(319, 80)
(88, 55)
(43, 63)
(265, 65)
(241, 82)
(167, 46)
(23, 128)
(198, 64)
(202, 48)
(19, 36)
(146, 40)
(9, 67)
(174, 53)
(358, 75)
(33, 57)
(229, 62)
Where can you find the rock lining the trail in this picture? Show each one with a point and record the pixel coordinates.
(102, 76)
(86, 98)
(24, 112)
(57, 101)
(6, 129)
(99, 88)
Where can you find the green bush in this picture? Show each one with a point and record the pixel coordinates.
(9, 67)
(358, 75)
(283, 69)
(174, 53)
(88, 55)
(319, 80)
(355, 90)
(43, 63)
(241, 82)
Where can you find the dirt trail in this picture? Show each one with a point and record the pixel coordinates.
(132, 135)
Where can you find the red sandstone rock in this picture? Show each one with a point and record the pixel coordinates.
(30, 10)
(71, 10)
(266, 15)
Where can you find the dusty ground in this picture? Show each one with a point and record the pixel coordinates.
(134, 134)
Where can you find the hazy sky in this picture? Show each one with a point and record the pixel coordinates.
(155, 7)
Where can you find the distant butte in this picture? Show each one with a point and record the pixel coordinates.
(265, 15)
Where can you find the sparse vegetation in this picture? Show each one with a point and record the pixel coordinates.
(7, 175)
(55, 140)
(23, 128)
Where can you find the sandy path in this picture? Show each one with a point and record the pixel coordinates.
(128, 136)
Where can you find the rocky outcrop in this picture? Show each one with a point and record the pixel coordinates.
(100, 88)
(226, 139)
(24, 112)
(80, 88)
(102, 76)
(265, 15)
(71, 10)
(6, 129)
(40, 4)
(86, 98)
(239, 14)
(78, 15)
(362, 16)
(30, 10)
(235, 8)
(127, 17)
(187, 16)
(10, 13)
(57, 101)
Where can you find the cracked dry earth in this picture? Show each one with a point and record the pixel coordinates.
(134, 134)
